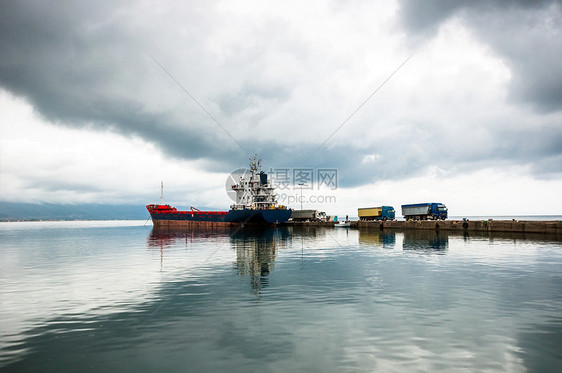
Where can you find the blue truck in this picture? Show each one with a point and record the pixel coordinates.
(425, 211)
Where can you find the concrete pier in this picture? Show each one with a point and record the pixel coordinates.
(528, 226)
(309, 223)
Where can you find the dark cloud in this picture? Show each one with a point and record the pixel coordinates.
(80, 66)
(527, 34)
(85, 65)
(251, 97)
(427, 16)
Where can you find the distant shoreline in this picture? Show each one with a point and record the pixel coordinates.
(54, 220)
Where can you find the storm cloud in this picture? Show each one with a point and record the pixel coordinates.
(527, 34)
(80, 65)
(280, 81)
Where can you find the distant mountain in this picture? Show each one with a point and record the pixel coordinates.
(48, 211)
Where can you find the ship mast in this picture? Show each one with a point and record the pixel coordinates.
(162, 192)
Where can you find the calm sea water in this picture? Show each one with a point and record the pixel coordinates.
(118, 296)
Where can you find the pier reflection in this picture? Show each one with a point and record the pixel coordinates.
(308, 231)
(430, 241)
(371, 237)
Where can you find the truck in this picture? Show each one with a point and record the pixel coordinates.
(425, 211)
(308, 215)
(376, 213)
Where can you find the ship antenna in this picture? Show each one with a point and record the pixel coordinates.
(162, 192)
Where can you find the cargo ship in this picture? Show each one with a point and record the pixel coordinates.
(255, 204)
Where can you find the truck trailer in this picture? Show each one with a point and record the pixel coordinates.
(425, 211)
(376, 213)
(308, 215)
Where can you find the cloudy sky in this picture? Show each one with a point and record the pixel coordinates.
(100, 101)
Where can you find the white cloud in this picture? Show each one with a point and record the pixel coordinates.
(491, 191)
(41, 162)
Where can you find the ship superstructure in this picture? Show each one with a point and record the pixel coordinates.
(254, 191)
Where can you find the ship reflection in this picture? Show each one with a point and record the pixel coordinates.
(256, 250)
(161, 238)
(308, 231)
(255, 247)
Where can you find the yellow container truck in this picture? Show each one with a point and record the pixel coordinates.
(376, 213)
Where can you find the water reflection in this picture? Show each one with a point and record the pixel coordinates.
(512, 236)
(256, 250)
(160, 238)
(429, 241)
(308, 231)
(256, 247)
(384, 238)
(471, 311)
(164, 238)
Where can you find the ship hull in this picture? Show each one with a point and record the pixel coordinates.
(211, 218)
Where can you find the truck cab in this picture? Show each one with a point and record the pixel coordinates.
(388, 213)
(439, 211)
(425, 211)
